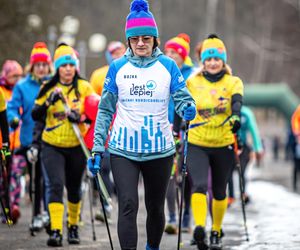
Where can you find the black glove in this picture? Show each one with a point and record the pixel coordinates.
(54, 97)
(74, 116)
(235, 123)
(14, 123)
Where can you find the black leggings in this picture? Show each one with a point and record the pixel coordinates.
(221, 162)
(63, 167)
(156, 174)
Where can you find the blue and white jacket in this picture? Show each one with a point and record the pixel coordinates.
(186, 71)
(23, 97)
(140, 88)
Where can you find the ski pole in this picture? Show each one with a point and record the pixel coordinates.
(83, 188)
(241, 182)
(104, 212)
(32, 179)
(86, 184)
(176, 175)
(5, 184)
(86, 152)
(6, 216)
(90, 187)
(7, 220)
(184, 174)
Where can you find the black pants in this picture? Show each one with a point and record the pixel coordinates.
(244, 160)
(221, 162)
(63, 167)
(295, 172)
(156, 174)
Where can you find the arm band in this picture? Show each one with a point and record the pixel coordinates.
(39, 111)
(236, 104)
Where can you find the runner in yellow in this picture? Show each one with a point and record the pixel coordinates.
(62, 157)
(4, 183)
(115, 50)
(3, 120)
(218, 97)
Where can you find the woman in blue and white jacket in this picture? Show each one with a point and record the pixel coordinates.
(140, 85)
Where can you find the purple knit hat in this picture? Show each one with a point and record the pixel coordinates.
(140, 21)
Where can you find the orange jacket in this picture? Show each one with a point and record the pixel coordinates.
(14, 136)
(295, 122)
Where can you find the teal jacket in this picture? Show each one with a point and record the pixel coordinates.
(248, 124)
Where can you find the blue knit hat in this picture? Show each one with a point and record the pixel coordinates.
(140, 21)
(64, 54)
(213, 46)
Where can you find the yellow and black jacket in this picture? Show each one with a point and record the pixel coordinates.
(58, 129)
(211, 128)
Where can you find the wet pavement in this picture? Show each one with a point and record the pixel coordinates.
(272, 219)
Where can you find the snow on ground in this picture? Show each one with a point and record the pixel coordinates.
(273, 218)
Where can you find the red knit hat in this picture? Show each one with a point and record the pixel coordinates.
(181, 44)
(40, 53)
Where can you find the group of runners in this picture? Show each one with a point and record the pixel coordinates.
(147, 113)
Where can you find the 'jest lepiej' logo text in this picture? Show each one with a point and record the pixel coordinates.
(142, 90)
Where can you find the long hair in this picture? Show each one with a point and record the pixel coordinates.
(55, 79)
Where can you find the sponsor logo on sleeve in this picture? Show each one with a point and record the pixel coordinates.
(180, 78)
(107, 81)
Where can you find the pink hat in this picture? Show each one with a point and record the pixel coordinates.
(11, 67)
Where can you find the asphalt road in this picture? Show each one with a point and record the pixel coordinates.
(271, 224)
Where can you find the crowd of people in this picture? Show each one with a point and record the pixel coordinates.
(131, 115)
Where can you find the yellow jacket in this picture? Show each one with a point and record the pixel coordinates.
(97, 79)
(213, 103)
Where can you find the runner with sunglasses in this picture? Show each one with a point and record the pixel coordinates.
(140, 83)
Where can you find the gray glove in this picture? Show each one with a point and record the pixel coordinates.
(32, 154)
